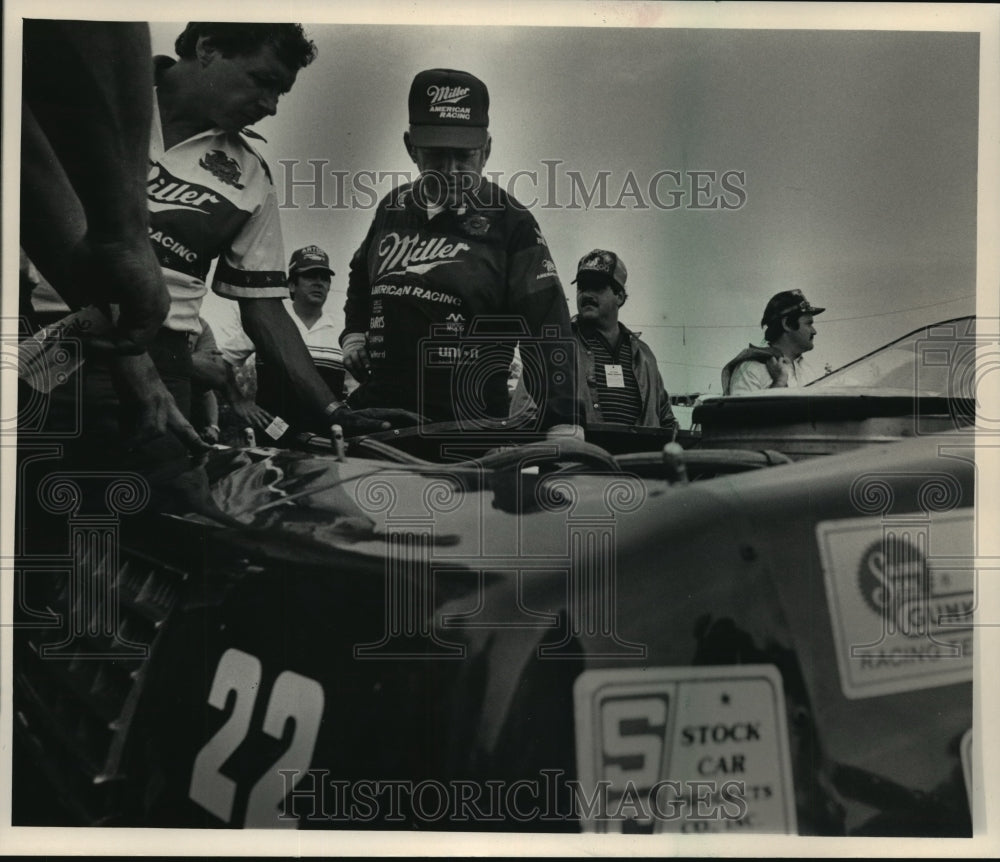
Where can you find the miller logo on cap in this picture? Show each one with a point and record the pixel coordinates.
(605, 263)
(448, 108)
(307, 258)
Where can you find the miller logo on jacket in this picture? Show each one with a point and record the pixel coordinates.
(166, 192)
(399, 253)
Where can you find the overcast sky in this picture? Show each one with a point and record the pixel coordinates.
(858, 146)
(850, 153)
(851, 160)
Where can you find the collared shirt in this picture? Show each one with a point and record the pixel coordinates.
(614, 385)
(321, 340)
(751, 377)
(655, 403)
(211, 196)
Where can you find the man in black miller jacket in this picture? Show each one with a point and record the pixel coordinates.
(452, 274)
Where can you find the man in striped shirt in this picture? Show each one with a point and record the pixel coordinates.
(617, 376)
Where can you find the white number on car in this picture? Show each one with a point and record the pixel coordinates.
(293, 697)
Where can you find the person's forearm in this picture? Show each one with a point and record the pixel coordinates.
(211, 408)
(282, 348)
(111, 108)
(231, 388)
(53, 224)
(209, 369)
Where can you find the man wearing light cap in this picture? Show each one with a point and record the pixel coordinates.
(447, 257)
(617, 377)
(788, 333)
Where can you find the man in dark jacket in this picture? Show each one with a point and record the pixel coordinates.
(452, 274)
(617, 377)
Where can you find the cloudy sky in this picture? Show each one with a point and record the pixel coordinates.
(854, 131)
(728, 150)
(849, 159)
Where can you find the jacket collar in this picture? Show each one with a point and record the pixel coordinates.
(574, 323)
(408, 197)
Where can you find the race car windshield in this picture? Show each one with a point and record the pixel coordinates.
(935, 360)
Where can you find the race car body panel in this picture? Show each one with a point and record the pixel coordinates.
(366, 634)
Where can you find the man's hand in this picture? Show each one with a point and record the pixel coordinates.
(251, 413)
(356, 360)
(778, 367)
(372, 419)
(210, 433)
(138, 382)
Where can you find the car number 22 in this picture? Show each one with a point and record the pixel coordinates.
(293, 696)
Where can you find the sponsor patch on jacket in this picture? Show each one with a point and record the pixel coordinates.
(224, 168)
(476, 225)
(548, 270)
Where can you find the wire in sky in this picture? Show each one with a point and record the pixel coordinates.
(825, 319)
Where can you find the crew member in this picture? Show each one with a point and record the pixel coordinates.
(617, 377)
(211, 198)
(452, 273)
(84, 154)
(211, 195)
(788, 334)
(309, 279)
(85, 133)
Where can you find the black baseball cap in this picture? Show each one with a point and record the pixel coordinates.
(308, 258)
(601, 262)
(788, 302)
(448, 108)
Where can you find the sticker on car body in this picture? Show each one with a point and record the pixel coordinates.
(901, 598)
(683, 749)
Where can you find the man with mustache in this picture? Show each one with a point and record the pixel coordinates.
(788, 333)
(309, 279)
(617, 376)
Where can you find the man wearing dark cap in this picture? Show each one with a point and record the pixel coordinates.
(788, 333)
(448, 257)
(617, 377)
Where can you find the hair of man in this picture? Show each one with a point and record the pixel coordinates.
(289, 41)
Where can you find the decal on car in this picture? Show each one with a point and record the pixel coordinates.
(901, 595)
(683, 749)
(293, 697)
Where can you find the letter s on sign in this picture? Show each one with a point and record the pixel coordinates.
(639, 715)
(293, 696)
